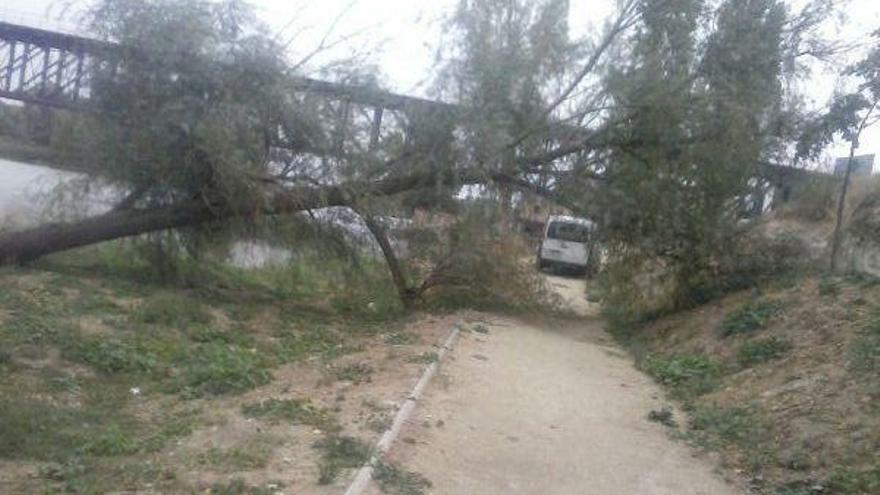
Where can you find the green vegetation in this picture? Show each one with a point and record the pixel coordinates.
(749, 317)
(427, 357)
(865, 352)
(356, 373)
(292, 411)
(687, 376)
(397, 481)
(239, 487)
(248, 457)
(338, 453)
(762, 350)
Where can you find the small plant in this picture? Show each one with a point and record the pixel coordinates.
(401, 338)
(239, 487)
(423, 358)
(394, 480)
(865, 351)
(356, 373)
(749, 317)
(238, 459)
(216, 369)
(711, 427)
(294, 411)
(338, 453)
(688, 376)
(112, 356)
(763, 350)
(663, 416)
(111, 442)
(829, 287)
(850, 481)
(173, 310)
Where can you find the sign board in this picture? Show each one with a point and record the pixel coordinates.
(862, 165)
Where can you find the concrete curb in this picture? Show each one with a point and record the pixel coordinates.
(365, 473)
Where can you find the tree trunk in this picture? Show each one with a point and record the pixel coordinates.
(837, 237)
(30, 244)
(407, 294)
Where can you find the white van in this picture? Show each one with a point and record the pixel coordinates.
(567, 243)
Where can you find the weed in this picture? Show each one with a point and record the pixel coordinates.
(172, 310)
(688, 376)
(849, 481)
(215, 369)
(292, 410)
(393, 479)
(711, 427)
(356, 373)
(763, 350)
(111, 356)
(423, 358)
(663, 416)
(379, 422)
(829, 287)
(401, 338)
(239, 487)
(316, 340)
(111, 442)
(338, 453)
(246, 458)
(865, 351)
(749, 317)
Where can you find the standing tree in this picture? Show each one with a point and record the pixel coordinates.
(848, 116)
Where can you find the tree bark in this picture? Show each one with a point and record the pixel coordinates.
(406, 293)
(837, 237)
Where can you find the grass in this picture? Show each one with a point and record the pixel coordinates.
(749, 317)
(864, 354)
(762, 350)
(687, 376)
(397, 481)
(713, 428)
(357, 373)
(238, 486)
(292, 411)
(339, 453)
(427, 357)
(65, 398)
(254, 455)
(216, 369)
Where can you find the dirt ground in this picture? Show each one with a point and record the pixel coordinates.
(532, 409)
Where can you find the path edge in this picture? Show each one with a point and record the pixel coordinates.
(365, 474)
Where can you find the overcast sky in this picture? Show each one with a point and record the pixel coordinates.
(405, 34)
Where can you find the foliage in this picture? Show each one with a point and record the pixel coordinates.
(293, 411)
(759, 351)
(749, 317)
(687, 376)
(215, 369)
(338, 453)
(395, 480)
(864, 353)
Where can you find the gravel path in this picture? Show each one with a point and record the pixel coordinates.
(527, 409)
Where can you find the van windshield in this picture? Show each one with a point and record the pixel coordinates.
(571, 232)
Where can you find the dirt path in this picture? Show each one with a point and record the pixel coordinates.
(530, 410)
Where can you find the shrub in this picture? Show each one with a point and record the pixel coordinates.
(688, 376)
(749, 317)
(762, 350)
